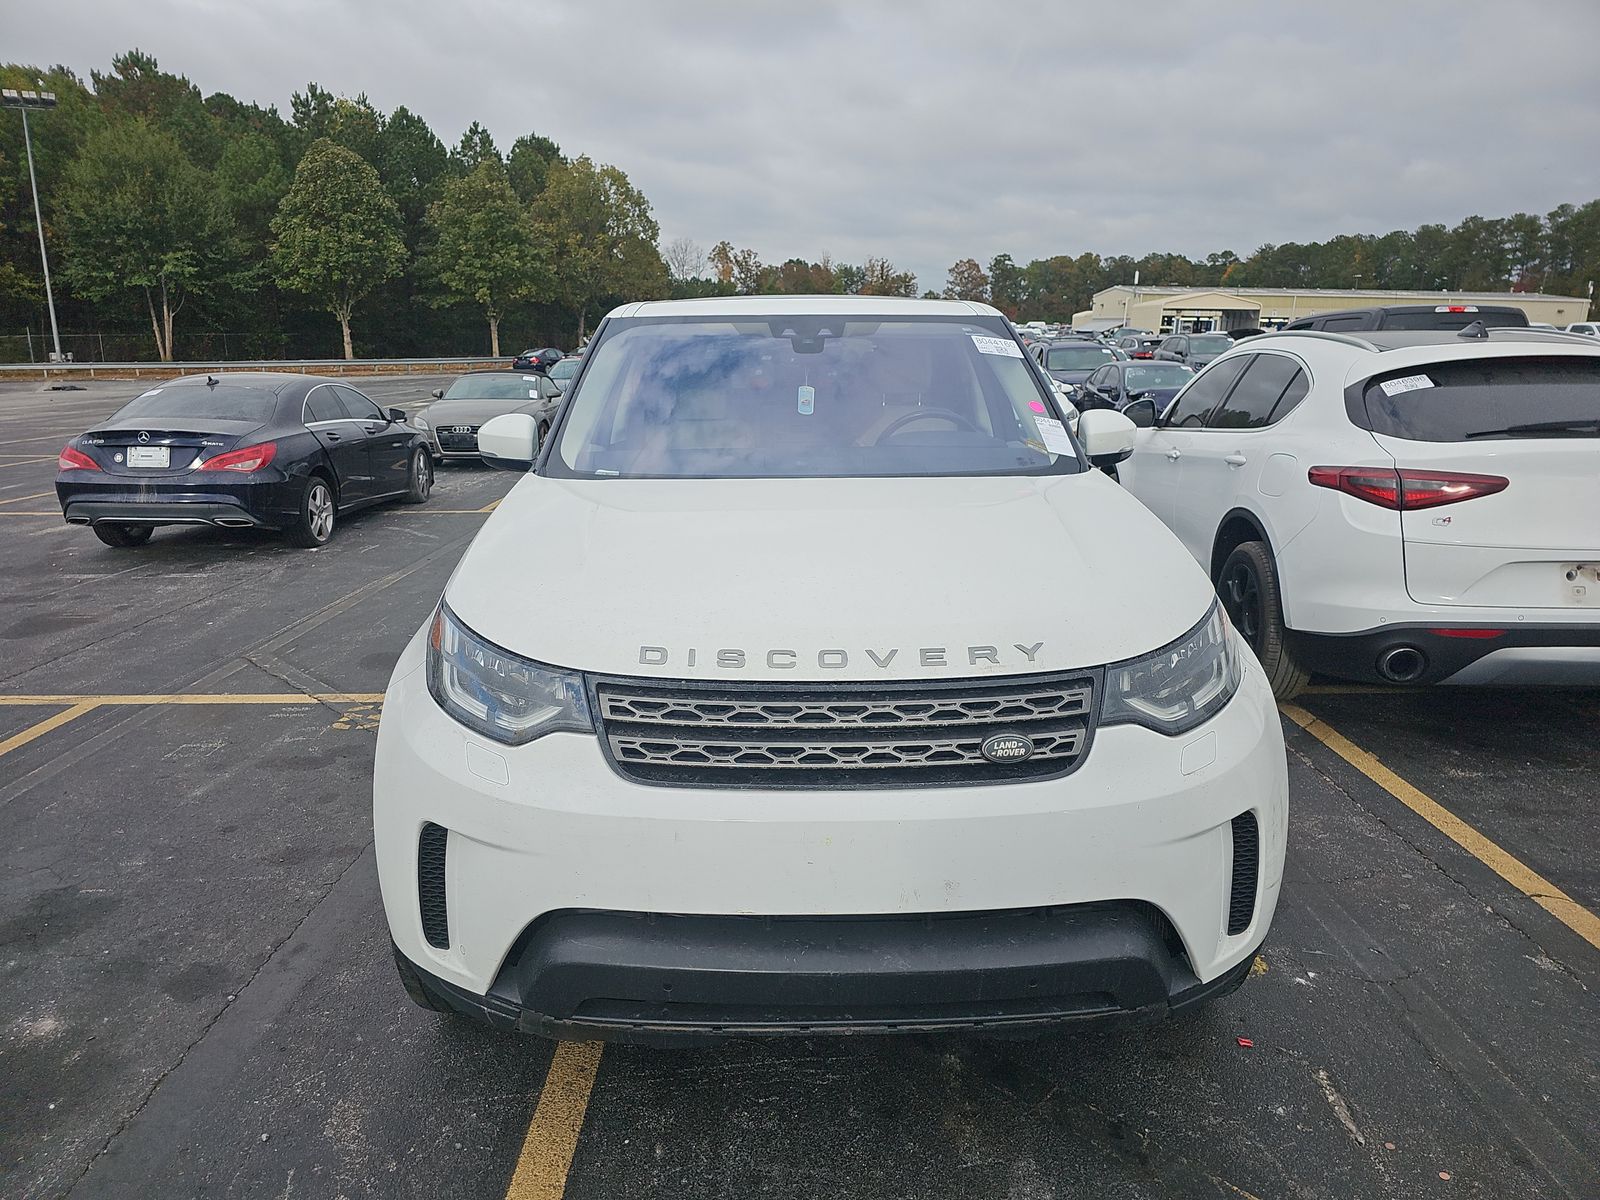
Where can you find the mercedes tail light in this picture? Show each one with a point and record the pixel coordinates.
(1405, 489)
(75, 460)
(250, 458)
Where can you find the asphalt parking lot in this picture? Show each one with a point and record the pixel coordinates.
(197, 999)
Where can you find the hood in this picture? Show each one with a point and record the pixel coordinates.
(834, 579)
(473, 412)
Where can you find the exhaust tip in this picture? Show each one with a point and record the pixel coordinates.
(1402, 664)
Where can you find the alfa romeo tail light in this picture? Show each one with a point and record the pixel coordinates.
(1403, 489)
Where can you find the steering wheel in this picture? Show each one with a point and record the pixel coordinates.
(918, 414)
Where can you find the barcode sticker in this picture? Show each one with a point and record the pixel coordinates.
(1406, 383)
(996, 345)
(1054, 435)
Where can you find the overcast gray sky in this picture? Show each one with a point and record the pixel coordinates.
(932, 131)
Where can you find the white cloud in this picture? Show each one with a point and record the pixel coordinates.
(943, 129)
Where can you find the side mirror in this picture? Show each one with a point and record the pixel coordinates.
(510, 442)
(397, 416)
(1141, 412)
(437, 393)
(1107, 436)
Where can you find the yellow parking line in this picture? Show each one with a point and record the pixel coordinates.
(552, 1137)
(490, 507)
(204, 698)
(19, 499)
(434, 512)
(19, 512)
(1499, 860)
(46, 725)
(27, 461)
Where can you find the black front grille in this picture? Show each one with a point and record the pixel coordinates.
(1246, 865)
(712, 734)
(451, 439)
(431, 847)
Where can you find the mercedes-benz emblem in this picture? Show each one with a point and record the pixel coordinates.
(1007, 748)
(143, 436)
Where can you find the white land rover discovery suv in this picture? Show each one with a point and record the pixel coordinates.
(813, 679)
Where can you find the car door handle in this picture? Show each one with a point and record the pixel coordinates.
(1174, 455)
(332, 437)
(1235, 460)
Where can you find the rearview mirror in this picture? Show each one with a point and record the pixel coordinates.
(437, 393)
(510, 442)
(1107, 436)
(1141, 412)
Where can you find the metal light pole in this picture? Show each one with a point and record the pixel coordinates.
(12, 98)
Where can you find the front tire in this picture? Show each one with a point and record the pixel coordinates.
(1248, 586)
(121, 535)
(318, 510)
(419, 481)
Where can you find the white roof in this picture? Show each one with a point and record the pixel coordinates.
(804, 306)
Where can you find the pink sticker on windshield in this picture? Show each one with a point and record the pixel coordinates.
(1036, 405)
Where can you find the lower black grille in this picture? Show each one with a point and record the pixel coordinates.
(431, 847)
(1246, 865)
(457, 441)
(890, 734)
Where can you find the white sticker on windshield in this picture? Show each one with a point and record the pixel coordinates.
(807, 400)
(530, 379)
(1407, 383)
(1054, 434)
(533, 393)
(996, 345)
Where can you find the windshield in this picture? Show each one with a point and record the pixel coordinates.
(1141, 379)
(224, 402)
(510, 386)
(809, 397)
(1210, 345)
(1077, 358)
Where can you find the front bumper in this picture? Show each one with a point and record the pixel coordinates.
(638, 977)
(550, 829)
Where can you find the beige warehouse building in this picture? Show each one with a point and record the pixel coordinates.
(1164, 309)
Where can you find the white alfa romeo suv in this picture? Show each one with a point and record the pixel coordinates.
(1409, 507)
(814, 679)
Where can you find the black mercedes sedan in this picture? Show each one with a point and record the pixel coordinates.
(241, 449)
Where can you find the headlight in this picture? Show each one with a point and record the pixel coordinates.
(420, 422)
(1178, 686)
(498, 694)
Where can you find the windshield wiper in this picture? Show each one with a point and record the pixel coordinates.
(1541, 429)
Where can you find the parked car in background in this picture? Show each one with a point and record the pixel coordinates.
(1139, 345)
(774, 788)
(1193, 350)
(537, 360)
(1404, 507)
(561, 373)
(1115, 384)
(451, 422)
(240, 450)
(1414, 316)
(1072, 361)
(1589, 328)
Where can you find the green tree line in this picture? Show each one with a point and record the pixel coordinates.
(1558, 254)
(222, 228)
